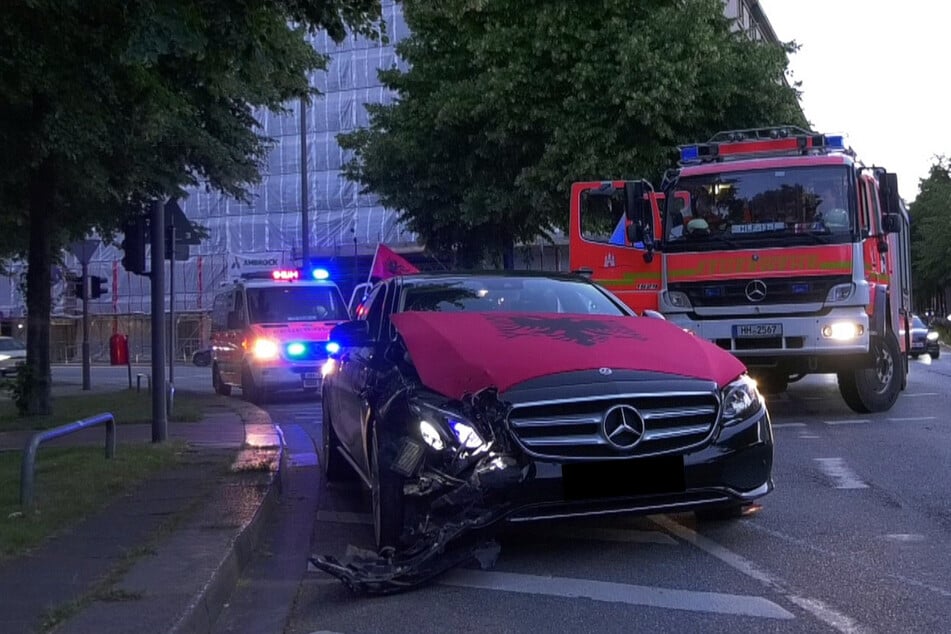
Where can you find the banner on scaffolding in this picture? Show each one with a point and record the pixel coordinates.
(252, 262)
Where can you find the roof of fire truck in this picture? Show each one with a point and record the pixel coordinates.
(763, 148)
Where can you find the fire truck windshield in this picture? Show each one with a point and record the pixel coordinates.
(760, 208)
(293, 303)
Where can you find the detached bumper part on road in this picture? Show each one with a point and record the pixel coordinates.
(498, 482)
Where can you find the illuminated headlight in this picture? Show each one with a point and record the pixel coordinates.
(741, 400)
(328, 368)
(840, 292)
(264, 349)
(4, 357)
(843, 330)
(677, 299)
(932, 336)
(439, 427)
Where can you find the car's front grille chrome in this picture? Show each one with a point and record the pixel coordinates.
(576, 430)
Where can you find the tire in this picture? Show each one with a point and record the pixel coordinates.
(387, 502)
(332, 464)
(875, 389)
(935, 354)
(249, 390)
(220, 386)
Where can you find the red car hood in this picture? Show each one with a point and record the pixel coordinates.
(461, 353)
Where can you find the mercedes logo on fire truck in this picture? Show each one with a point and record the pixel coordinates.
(623, 426)
(756, 291)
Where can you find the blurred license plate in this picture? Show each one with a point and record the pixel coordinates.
(310, 379)
(758, 330)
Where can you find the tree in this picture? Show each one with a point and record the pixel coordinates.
(107, 105)
(506, 102)
(931, 235)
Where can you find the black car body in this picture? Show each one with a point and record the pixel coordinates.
(924, 340)
(466, 399)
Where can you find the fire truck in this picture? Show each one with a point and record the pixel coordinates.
(269, 331)
(777, 244)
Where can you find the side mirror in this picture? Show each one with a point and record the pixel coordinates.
(635, 233)
(891, 223)
(653, 314)
(351, 334)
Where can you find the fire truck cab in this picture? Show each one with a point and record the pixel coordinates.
(269, 332)
(777, 244)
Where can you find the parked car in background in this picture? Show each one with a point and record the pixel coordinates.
(461, 400)
(12, 354)
(924, 340)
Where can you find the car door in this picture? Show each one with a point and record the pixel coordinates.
(353, 379)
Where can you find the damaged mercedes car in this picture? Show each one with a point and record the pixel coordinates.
(465, 400)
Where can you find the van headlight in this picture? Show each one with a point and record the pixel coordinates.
(265, 349)
(739, 400)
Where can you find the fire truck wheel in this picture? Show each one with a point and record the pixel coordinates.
(875, 389)
(220, 386)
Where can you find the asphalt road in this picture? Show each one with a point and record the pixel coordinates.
(855, 538)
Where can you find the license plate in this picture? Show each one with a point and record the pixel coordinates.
(310, 376)
(758, 330)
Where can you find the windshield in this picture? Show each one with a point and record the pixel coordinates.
(9, 345)
(275, 305)
(508, 295)
(917, 323)
(761, 208)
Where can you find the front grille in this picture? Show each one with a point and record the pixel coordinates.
(762, 343)
(803, 290)
(574, 429)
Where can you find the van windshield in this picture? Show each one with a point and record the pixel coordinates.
(276, 305)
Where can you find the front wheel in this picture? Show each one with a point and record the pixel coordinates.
(935, 354)
(331, 462)
(386, 493)
(220, 386)
(875, 389)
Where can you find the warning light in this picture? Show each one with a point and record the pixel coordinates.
(296, 349)
(333, 347)
(320, 274)
(285, 275)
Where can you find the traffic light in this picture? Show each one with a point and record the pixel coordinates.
(136, 237)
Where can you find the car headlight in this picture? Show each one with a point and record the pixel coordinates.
(932, 336)
(740, 400)
(4, 357)
(264, 349)
(441, 428)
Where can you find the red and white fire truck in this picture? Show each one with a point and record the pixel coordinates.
(777, 244)
(269, 331)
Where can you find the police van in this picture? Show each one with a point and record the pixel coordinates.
(269, 332)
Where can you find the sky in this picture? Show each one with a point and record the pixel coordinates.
(875, 71)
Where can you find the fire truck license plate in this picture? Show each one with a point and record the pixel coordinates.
(758, 330)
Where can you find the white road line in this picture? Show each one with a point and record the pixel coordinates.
(905, 537)
(619, 535)
(828, 615)
(808, 436)
(782, 425)
(344, 517)
(852, 421)
(912, 419)
(921, 394)
(609, 592)
(842, 477)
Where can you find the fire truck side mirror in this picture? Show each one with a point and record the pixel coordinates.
(891, 223)
(638, 208)
(635, 233)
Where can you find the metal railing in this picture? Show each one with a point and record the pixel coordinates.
(28, 467)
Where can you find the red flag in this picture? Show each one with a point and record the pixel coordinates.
(387, 263)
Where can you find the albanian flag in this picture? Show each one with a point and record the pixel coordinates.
(387, 263)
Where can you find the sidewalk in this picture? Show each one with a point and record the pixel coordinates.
(164, 558)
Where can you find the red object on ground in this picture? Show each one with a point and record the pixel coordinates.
(388, 263)
(461, 353)
(118, 349)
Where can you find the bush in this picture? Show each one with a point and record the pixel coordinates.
(19, 388)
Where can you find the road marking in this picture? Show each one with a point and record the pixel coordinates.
(841, 476)
(808, 436)
(848, 421)
(619, 535)
(344, 517)
(782, 425)
(921, 394)
(912, 419)
(610, 592)
(828, 615)
(905, 537)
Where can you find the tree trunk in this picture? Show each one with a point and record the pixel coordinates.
(38, 296)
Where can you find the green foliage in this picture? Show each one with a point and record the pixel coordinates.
(931, 233)
(507, 102)
(105, 106)
(18, 388)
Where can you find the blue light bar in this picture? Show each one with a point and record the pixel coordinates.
(689, 153)
(296, 349)
(333, 347)
(836, 141)
(320, 274)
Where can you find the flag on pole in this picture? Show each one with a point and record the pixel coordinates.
(387, 263)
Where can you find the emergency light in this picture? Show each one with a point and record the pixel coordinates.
(332, 347)
(761, 142)
(320, 274)
(285, 275)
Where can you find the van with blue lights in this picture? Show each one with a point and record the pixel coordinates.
(269, 331)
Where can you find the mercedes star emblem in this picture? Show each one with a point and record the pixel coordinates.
(623, 426)
(605, 371)
(756, 291)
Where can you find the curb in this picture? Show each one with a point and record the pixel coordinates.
(203, 611)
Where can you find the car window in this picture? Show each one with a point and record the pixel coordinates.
(917, 323)
(10, 345)
(536, 295)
